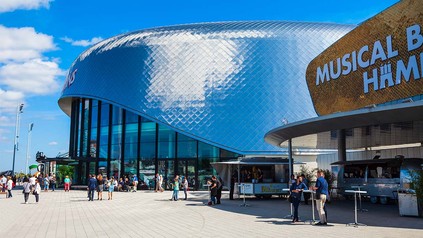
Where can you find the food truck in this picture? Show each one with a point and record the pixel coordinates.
(381, 178)
(258, 176)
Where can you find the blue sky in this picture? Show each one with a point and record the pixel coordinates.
(39, 39)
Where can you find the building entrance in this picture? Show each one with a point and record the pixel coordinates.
(186, 168)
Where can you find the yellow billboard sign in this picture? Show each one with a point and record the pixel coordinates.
(379, 61)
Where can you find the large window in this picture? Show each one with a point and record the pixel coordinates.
(166, 142)
(206, 155)
(187, 147)
(116, 142)
(148, 140)
(94, 119)
(104, 138)
(131, 143)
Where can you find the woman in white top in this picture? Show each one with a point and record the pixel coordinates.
(37, 191)
(9, 185)
(26, 189)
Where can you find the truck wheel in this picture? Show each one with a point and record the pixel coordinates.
(384, 200)
(373, 199)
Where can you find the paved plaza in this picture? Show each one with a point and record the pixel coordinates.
(150, 214)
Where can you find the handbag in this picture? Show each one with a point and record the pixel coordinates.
(290, 198)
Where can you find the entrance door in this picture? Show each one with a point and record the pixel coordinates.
(186, 168)
(167, 169)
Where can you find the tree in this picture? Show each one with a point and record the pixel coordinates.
(63, 171)
(417, 184)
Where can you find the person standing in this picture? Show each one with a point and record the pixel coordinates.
(219, 183)
(53, 182)
(26, 190)
(297, 189)
(232, 189)
(9, 185)
(100, 187)
(32, 180)
(92, 185)
(36, 191)
(46, 183)
(135, 182)
(175, 188)
(213, 190)
(111, 183)
(322, 192)
(67, 183)
(185, 186)
(3, 181)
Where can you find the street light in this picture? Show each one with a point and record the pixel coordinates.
(31, 125)
(19, 110)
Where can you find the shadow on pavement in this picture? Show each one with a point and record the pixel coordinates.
(339, 212)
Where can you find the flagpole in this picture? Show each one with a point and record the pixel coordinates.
(28, 146)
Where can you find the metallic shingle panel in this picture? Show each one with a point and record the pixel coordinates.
(222, 83)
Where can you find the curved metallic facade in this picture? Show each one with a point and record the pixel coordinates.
(226, 84)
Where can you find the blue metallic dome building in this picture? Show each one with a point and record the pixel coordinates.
(222, 84)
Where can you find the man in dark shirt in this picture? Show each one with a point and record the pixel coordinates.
(213, 190)
(322, 192)
(92, 185)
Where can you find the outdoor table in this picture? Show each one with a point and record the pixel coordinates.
(289, 215)
(355, 223)
(242, 188)
(359, 197)
(312, 206)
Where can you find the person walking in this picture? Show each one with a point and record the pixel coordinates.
(322, 192)
(157, 180)
(67, 183)
(36, 191)
(111, 183)
(9, 186)
(161, 183)
(92, 185)
(26, 190)
(297, 189)
(185, 186)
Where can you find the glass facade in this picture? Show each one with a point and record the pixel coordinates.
(129, 144)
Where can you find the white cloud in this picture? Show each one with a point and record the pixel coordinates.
(84, 43)
(11, 5)
(24, 70)
(35, 76)
(53, 143)
(21, 44)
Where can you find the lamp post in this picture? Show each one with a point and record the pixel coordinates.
(19, 110)
(28, 146)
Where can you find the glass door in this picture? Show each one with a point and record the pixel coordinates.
(186, 168)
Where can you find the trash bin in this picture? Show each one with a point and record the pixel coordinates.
(407, 202)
